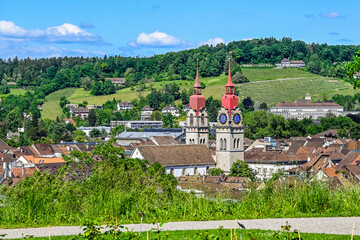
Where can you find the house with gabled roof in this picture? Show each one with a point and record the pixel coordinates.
(179, 160)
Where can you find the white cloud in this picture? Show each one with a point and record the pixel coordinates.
(22, 49)
(215, 41)
(157, 39)
(331, 15)
(66, 33)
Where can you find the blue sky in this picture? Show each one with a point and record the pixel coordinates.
(39, 28)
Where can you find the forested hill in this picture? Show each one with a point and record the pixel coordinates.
(65, 72)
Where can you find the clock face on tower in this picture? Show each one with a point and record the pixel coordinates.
(237, 118)
(223, 118)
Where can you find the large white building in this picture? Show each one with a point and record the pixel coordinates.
(304, 108)
(291, 63)
(179, 160)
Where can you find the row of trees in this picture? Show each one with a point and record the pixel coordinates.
(261, 124)
(79, 71)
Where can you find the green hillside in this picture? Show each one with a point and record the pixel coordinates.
(276, 85)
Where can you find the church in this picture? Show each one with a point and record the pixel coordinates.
(229, 130)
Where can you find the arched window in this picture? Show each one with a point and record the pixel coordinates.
(202, 119)
(196, 171)
(234, 143)
(184, 171)
(172, 171)
(225, 143)
(221, 144)
(191, 119)
(238, 143)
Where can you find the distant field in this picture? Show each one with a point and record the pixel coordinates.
(15, 91)
(51, 108)
(271, 92)
(258, 74)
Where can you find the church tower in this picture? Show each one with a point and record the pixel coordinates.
(230, 131)
(197, 121)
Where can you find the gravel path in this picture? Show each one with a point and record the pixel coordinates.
(335, 225)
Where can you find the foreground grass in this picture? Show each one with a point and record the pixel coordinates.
(247, 234)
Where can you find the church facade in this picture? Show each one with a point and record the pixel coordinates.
(230, 130)
(197, 121)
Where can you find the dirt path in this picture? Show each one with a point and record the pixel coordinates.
(333, 225)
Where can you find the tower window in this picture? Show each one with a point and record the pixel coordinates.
(221, 144)
(224, 143)
(202, 119)
(238, 143)
(191, 119)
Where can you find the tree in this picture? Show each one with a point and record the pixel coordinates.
(108, 87)
(96, 88)
(239, 78)
(240, 168)
(79, 136)
(352, 68)
(86, 83)
(168, 120)
(92, 118)
(263, 106)
(215, 172)
(4, 88)
(156, 116)
(95, 133)
(248, 103)
(58, 131)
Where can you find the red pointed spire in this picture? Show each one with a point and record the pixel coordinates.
(197, 82)
(229, 83)
(197, 101)
(229, 100)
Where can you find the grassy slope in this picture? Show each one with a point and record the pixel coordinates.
(271, 92)
(51, 107)
(15, 91)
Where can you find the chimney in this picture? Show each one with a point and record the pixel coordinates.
(5, 170)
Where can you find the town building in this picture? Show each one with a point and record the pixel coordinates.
(171, 109)
(137, 124)
(304, 108)
(87, 130)
(71, 105)
(197, 120)
(117, 81)
(179, 160)
(146, 112)
(230, 130)
(291, 63)
(124, 106)
(79, 112)
(94, 107)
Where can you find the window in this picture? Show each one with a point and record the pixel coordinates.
(202, 119)
(221, 144)
(184, 171)
(238, 143)
(191, 119)
(234, 143)
(196, 171)
(224, 143)
(207, 170)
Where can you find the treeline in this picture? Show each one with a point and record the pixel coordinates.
(261, 124)
(62, 72)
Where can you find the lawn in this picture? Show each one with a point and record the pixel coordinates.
(51, 108)
(247, 234)
(273, 92)
(15, 91)
(258, 74)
